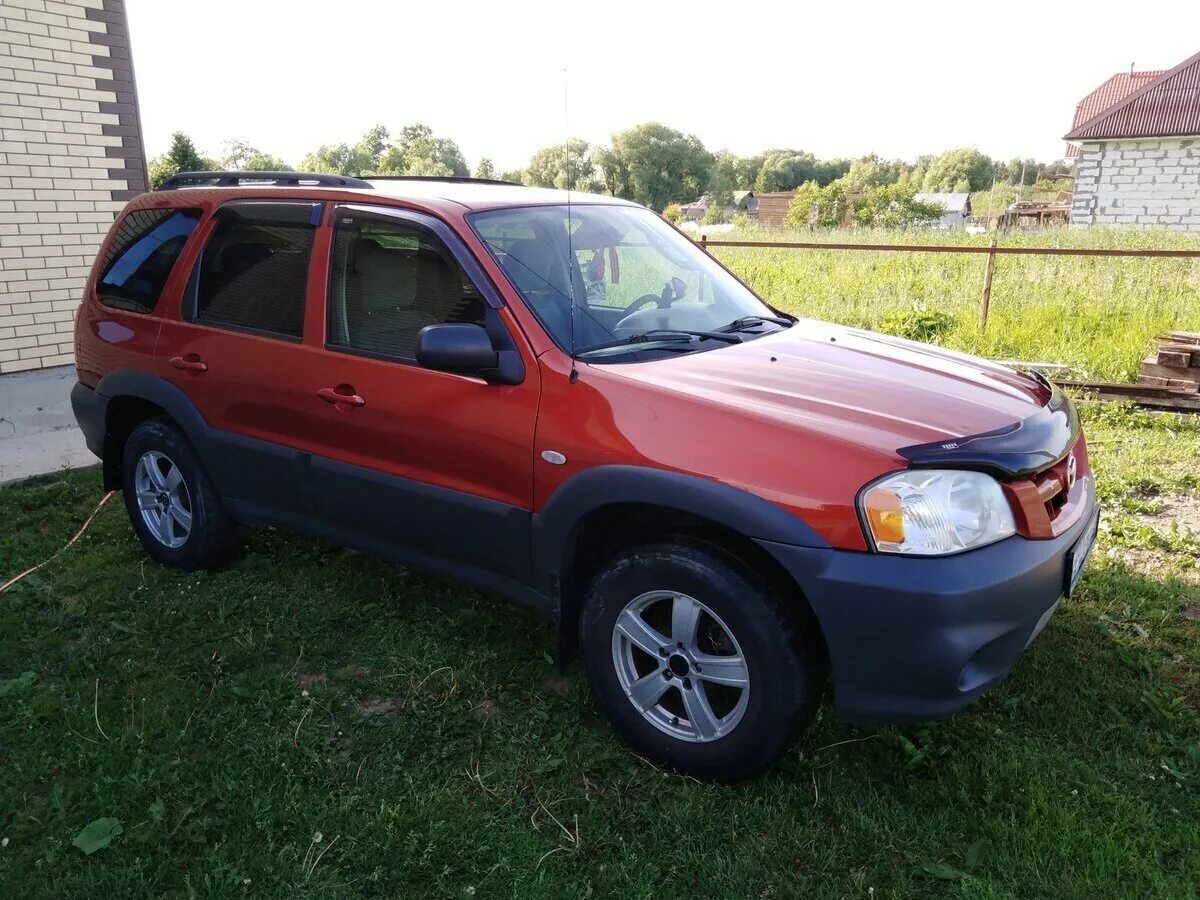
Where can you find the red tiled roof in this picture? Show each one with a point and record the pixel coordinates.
(1166, 106)
(1104, 97)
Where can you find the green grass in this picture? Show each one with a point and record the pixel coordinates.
(227, 719)
(1097, 314)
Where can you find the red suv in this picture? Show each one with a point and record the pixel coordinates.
(563, 400)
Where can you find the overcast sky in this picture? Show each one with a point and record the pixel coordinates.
(837, 79)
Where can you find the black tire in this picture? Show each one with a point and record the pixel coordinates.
(213, 537)
(783, 665)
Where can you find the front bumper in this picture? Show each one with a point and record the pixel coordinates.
(912, 639)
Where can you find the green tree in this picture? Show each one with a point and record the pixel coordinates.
(871, 171)
(331, 159)
(894, 206)
(485, 169)
(723, 180)
(655, 165)
(363, 158)
(672, 213)
(961, 169)
(181, 156)
(236, 153)
(419, 152)
(817, 206)
(746, 171)
(714, 214)
(242, 156)
(516, 176)
(265, 162)
(567, 166)
(785, 170)
(371, 146)
(1017, 171)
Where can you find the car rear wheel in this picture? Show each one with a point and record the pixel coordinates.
(172, 504)
(696, 663)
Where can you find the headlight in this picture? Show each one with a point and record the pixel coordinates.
(931, 512)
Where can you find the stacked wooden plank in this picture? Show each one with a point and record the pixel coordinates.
(1147, 395)
(1175, 364)
(1169, 379)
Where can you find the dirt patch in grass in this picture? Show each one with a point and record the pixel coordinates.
(384, 706)
(1183, 509)
(1152, 564)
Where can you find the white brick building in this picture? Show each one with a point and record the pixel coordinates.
(70, 156)
(1139, 158)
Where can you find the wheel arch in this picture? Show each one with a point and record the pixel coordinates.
(133, 397)
(599, 513)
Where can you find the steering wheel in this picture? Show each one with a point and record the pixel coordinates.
(673, 290)
(642, 302)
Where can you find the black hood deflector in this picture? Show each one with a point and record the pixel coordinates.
(1015, 451)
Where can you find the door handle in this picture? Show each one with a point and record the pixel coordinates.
(190, 363)
(335, 396)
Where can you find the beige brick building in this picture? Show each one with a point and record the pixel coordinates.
(70, 156)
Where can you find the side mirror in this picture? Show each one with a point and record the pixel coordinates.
(466, 349)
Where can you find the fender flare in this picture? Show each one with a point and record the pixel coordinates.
(161, 393)
(556, 526)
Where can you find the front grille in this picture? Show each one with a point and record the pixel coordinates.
(1053, 486)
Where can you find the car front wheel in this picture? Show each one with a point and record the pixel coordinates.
(696, 663)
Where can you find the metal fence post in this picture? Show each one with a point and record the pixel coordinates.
(986, 300)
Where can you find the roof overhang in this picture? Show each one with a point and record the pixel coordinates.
(1168, 106)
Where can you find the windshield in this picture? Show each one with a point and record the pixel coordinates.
(629, 274)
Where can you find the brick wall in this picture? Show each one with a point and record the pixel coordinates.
(1150, 183)
(70, 156)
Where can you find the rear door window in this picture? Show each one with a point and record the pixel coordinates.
(253, 273)
(142, 254)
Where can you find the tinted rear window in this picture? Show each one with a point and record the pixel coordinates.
(253, 272)
(141, 256)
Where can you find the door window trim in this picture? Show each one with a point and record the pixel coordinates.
(189, 299)
(459, 252)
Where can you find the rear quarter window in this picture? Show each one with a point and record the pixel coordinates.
(141, 256)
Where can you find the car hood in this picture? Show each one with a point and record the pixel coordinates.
(872, 390)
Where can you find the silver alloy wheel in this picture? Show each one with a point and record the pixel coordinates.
(668, 679)
(163, 499)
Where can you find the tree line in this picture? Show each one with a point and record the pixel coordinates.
(650, 163)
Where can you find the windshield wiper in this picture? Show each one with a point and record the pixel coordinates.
(663, 336)
(749, 321)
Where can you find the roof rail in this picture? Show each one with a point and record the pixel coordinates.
(450, 179)
(278, 179)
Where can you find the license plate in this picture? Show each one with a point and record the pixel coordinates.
(1078, 556)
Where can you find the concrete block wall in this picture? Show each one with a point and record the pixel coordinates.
(1143, 183)
(70, 156)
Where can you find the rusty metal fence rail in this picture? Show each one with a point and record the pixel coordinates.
(991, 250)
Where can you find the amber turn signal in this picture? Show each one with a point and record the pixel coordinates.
(883, 516)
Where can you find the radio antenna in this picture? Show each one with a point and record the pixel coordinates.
(571, 264)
